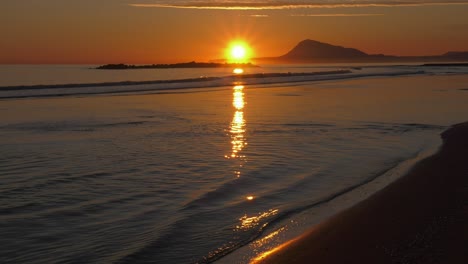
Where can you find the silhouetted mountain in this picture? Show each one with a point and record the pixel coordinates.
(457, 55)
(310, 51)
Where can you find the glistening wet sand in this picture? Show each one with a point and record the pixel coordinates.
(420, 218)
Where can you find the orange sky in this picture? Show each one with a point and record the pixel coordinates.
(114, 31)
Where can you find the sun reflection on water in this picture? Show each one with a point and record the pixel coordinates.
(237, 133)
(237, 128)
(263, 241)
(253, 221)
(263, 255)
(238, 101)
(238, 71)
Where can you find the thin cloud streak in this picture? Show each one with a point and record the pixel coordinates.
(335, 15)
(259, 16)
(281, 4)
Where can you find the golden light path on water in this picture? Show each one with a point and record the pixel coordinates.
(238, 123)
(253, 221)
(263, 255)
(237, 132)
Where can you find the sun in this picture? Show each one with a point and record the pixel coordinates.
(238, 52)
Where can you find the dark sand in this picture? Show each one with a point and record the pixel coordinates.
(420, 218)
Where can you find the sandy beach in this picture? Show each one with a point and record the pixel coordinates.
(420, 218)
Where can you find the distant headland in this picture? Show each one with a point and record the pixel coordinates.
(192, 64)
(311, 51)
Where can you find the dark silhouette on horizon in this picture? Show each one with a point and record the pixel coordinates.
(310, 51)
(192, 64)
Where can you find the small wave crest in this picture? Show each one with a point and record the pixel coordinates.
(16, 92)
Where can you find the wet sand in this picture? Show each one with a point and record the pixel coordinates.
(420, 218)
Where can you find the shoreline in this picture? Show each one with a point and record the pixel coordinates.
(419, 218)
(130, 87)
(174, 81)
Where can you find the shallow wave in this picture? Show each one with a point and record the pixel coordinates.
(400, 128)
(15, 92)
(340, 200)
(145, 253)
(70, 126)
(206, 206)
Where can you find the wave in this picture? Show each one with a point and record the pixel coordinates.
(204, 207)
(264, 227)
(145, 253)
(71, 126)
(131, 87)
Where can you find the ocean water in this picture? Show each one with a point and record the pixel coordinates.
(209, 174)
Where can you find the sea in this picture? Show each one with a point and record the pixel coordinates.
(201, 165)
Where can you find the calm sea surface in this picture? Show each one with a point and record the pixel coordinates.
(203, 175)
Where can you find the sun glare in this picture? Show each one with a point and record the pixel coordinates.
(238, 52)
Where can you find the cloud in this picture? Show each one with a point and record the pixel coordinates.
(259, 16)
(335, 15)
(283, 4)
